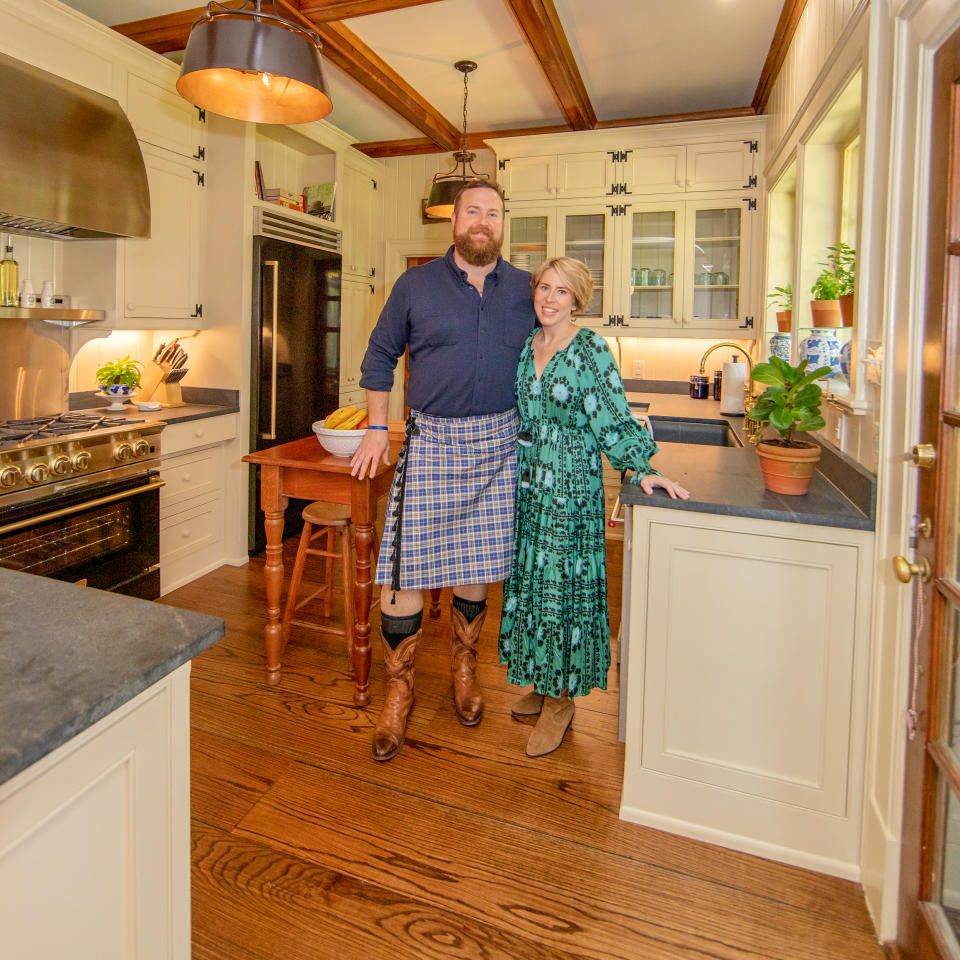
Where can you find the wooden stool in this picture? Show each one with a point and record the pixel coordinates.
(327, 521)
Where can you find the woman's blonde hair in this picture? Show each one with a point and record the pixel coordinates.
(574, 274)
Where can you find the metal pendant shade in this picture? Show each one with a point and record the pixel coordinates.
(446, 186)
(253, 66)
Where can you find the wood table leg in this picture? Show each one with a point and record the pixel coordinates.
(435, 602)
(363, 591)
(273, 506)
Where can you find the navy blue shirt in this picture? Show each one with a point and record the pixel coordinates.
(464, 348)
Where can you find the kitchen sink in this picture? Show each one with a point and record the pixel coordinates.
(712, 433)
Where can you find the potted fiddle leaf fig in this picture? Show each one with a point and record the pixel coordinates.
(825, 307)
(119, 377)
(791, 405)
(842, 259)
(782, 300)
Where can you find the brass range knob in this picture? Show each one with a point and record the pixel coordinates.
(9, 476)
(924, 455)
(38, 473)
(81, 460)
(906, 571)
(141, 448)
(60, 466)
(123, 453)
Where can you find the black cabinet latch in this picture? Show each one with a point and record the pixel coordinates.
(502, 164)
(200, 182)
(747, 323)
(751, 204)
(202, 114)
(198, 310)
(751, 182)
(201, 154)
(753, 145)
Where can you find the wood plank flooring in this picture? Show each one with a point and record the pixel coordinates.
(460, 847)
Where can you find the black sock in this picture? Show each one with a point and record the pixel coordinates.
(397, 629)
(471, 609)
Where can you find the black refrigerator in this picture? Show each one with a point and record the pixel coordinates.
(295, 367)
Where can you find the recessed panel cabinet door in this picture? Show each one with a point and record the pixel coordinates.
(720, 166)
(656, 169)
(161, 274)
(163, 118)
(530, 178)
(584, 174)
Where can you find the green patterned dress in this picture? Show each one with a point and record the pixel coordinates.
(555, 629)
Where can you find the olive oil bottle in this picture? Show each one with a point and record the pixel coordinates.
(9, 279)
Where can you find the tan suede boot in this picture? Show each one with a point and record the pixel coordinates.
(467, 694)
(529, 705)
(548, 733)
(392, 725)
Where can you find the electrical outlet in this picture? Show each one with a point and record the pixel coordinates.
(838, 431)
(639, 369)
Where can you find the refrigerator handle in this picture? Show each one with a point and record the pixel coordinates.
(272, 435)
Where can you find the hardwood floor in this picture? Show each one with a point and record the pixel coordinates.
(460, 847)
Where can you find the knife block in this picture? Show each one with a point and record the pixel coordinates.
(161, 383)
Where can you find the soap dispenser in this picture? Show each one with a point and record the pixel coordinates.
(733, 385)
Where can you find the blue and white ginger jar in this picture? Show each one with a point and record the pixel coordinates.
(822, 349)
(779, 345)
(845, 359)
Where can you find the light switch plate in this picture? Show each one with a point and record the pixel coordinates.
(639, 369)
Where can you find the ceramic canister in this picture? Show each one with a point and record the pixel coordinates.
(845, 359)
(779, 345)
(822, 349)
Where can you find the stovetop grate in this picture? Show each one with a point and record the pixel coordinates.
(48, 428)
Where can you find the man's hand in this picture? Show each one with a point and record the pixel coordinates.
(373, 449)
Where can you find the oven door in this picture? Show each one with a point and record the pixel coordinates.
(103, 534)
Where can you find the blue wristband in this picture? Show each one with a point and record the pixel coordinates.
(372, 427)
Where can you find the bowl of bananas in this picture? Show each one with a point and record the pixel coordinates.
(341, 432)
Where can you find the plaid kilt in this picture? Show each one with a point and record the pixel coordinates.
(453, 491)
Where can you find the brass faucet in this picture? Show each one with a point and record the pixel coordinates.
(751, 426)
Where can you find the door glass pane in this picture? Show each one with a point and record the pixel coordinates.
(652, 264)
(949, 860)
(716, 268)
(951, 522)
(528, 242)
(584, 238)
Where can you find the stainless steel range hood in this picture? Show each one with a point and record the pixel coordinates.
(70, 165)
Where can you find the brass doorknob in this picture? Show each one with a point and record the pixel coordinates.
(906, 571)
(924, 455)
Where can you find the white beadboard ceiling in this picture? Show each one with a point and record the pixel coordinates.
(637, 58)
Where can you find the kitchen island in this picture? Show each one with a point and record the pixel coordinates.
(94, 771)
(744, 652)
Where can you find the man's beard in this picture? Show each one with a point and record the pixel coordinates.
(477, 246)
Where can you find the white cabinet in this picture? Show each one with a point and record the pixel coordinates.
(95, 838)
(565, 176)
(162, 118)
(359, 213)
(678, 168)
(161, 275)
(193, 469)
(356, 322)
(745, 709)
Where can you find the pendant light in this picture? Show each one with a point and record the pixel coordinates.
(250, 65)
(446, 186)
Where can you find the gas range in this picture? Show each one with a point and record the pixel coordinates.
(44, 456)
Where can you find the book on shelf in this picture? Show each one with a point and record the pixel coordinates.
(258, 179)
(284, 198)
(319, 199)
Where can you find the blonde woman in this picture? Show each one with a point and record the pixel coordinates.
(555, 631)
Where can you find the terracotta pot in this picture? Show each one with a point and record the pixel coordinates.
(784, 320)
(826, 313)
(787, 469)
(846, 308)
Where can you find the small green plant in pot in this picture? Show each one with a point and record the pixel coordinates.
(782, 301)
(825, 307)
(842, 260)
(119, 377)
(791, 405)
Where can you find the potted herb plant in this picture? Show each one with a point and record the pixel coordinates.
(825, 307)
(119, 378)
(782, 300)
(791, 405)
(842, 259)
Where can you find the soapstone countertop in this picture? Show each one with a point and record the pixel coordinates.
(727, 480)
(70, 655)
(199, 404)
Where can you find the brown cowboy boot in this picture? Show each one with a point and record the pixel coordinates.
(467, 694)
(391, 727)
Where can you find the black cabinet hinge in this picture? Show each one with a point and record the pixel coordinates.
(751, 182)
(201, 154)
(200, 182)
(751, 203)
(753, 145)
(747, 323)
(374, 182)
(198, 310)
(502, 164)
(616, 320)
(618, 156)
(202, 114)
(370, 285)
(618, 210)
(373, 271)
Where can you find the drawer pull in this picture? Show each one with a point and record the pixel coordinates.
(187, 477)
(184, 534)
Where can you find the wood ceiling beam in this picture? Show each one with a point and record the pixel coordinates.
(161, 34)
(782, 38)
(320, 11)
(543, 32)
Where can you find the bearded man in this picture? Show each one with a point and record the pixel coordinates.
(465, 318)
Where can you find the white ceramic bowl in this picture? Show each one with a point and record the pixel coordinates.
(117, 389)
(341, 443)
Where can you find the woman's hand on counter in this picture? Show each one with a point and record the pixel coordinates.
(652, 480)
